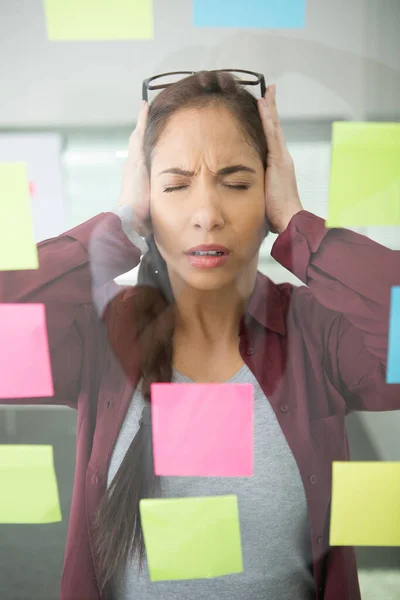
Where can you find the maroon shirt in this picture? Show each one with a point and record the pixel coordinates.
(318, 353)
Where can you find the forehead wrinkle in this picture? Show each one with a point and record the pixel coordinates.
(192, 139)
(190, 157)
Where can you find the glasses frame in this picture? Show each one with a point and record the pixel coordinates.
(146, 86)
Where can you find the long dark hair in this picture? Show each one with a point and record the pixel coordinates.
(119, 535)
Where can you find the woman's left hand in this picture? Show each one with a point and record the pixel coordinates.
(282, 199)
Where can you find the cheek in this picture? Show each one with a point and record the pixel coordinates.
(250, 224)
(251, 239)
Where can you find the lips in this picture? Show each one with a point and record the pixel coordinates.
(208, 250)
(208, 256)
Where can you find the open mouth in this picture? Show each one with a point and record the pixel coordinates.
(207, 253)
(208, 259)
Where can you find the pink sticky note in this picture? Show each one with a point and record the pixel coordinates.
(32, 188)
(203, 430)
(25, 368)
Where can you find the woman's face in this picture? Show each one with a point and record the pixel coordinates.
(196, 200)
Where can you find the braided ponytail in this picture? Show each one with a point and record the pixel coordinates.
(118, 523)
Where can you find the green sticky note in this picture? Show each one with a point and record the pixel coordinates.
(365, 175)
(29, 492)
(99, 19)
(365, 504)
(17, 243)
(191, 538)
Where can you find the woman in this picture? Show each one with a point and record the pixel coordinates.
(219, 172)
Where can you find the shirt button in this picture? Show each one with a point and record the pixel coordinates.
(319, 539)
(250, 351)
(313, 478)
(284, 408)
(95, 479)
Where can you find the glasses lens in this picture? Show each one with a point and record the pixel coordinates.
(168, 79)
(248, 77)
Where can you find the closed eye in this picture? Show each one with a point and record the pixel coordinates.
(242, 186)
(175, 189)
(233, 187)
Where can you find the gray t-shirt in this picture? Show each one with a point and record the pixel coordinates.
(274, 522)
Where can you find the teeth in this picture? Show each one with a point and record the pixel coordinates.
(210, 253)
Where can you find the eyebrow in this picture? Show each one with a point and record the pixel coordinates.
(220, 172)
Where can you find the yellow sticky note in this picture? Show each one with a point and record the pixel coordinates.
(365, 175)
(365, 504)
(192, 538)
(29, 492)
(99, 19)
(17, 243)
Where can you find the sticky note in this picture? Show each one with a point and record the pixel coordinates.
(17, 246)
(41, 153)
(365, 504)
(393, 367)
(191, 538)
(365, 175)
(99, 19)
(25, 368)
(204, 430)
(271, 14)
(29, 492)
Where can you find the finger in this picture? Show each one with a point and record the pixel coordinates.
(271, 123)
(142, 118)
(275, 116)
(271, 130)
(136, 139)
(270, 96)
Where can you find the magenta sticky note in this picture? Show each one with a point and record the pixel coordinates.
(25, 368)
(203, 430)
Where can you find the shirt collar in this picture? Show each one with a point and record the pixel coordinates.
(265, 305)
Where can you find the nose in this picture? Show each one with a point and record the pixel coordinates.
(207, 213)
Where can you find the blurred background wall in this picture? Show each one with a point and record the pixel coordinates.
(345, 64)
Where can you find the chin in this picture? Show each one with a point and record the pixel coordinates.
(209, 279)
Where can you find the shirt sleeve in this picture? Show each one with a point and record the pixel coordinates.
(353, 276)
(76, 273)
(127, 217)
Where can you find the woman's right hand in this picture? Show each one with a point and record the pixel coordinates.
(135, 189)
